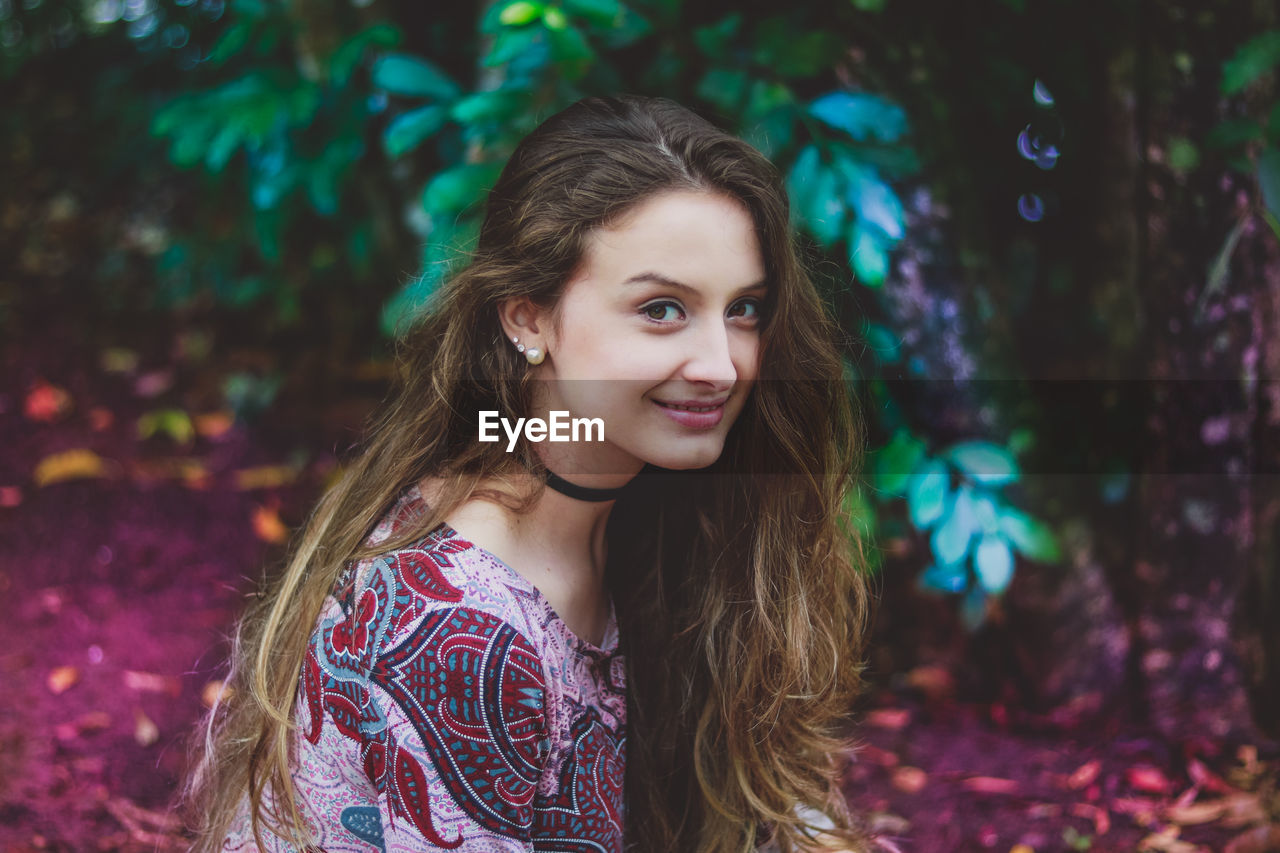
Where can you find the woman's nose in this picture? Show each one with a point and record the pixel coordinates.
(710, 358)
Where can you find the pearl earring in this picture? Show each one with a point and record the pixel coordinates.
(519, 346)
(534, 355)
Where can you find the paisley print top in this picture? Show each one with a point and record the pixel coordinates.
(444, 705)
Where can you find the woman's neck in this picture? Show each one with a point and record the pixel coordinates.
(559, 545)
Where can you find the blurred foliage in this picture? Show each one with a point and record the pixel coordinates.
(325, 143)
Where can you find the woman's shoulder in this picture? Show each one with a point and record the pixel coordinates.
(440, 574)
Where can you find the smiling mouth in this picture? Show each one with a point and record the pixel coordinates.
(679, 408)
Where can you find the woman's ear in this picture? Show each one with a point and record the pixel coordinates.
(523, 319)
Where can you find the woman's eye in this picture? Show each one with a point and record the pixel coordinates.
(662, 312)
(750, 309)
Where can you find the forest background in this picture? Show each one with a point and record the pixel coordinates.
(1050, 231)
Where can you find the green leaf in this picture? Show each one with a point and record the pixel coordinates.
(927, 493)
(343, 62)
(1233, 133)
(973, 607)
(411, 128)
(231, 42)
(867, 256)
(993, 562)
(519, 13)
(768, 97)
(714, 40)
(511, 44)
(1221, 266)
(884, 344)
(950, 539)
(859, 515)
(1255, 58)
(455, 189)
(790, 53)
(894, 463)
(174, 423)
(554, 19)
(1269, 179)
(874, 202)
(826, 215)
(863, 116)
(773, 132)
(1183, 154)
(802, 178)
(724, 87)
(631, 27)
(270, 186)
(222, 147)
(985, 511)
(600, 13)
(570, 50)
(403, 74)
(953, 578)
(498, 105)
(985, 463)
(452, 240)
(1030, 536)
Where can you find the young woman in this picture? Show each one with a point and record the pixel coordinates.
(647, 638)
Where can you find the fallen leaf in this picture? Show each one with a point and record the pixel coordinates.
(150, 682)
(46, 403)
(909, 780)
(990, 785)
(94, 721)
(145, 731)
(214, 425)
(1206, 778)
(933, 681)
(1166, 841)
(1148, 779)
(80, 463)
(265, 477)
(215, 691)
(10, 496)
(100, 419)
(268, 527)
(174, 423)
(1101, 817)
(62, 678)
(1142, 810)
(153, 383)
(148, 829)
(1186, 798)
(889, 718)
(1084, 775)
(1187, 815)
(1260, 839)
(1043, 810)
(875, 755)
(118, 360)
(1243, 809)
(190, 470)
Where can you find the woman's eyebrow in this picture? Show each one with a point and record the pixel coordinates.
(659, 278)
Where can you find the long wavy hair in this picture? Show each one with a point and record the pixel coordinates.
(740, 589)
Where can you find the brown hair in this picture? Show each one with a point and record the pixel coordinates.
(744, 572)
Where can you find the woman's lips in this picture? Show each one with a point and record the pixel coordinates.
(681, 412)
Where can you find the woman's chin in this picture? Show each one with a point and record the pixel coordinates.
(688, 459)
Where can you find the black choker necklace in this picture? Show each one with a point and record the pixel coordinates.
(582, 493)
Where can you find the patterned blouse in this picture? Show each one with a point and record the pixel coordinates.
(444, 705)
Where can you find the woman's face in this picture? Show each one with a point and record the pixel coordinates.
(662, 316)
